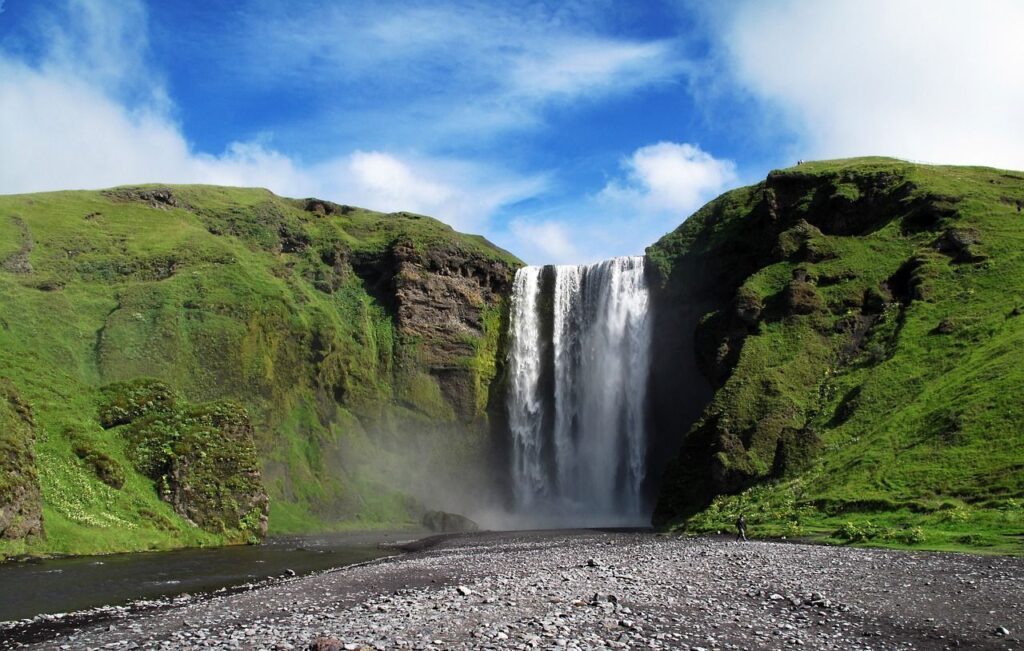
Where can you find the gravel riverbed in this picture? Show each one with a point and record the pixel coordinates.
(598, 590)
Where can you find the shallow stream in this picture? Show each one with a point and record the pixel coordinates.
(62, 585)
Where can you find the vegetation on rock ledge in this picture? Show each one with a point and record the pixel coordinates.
(863, 331)
(302, 313)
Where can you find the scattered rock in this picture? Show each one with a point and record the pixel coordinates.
(960, 244)
(681, 593)
(153, 197)
(945, 327)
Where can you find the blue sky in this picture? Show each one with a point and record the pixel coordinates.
(563, 131)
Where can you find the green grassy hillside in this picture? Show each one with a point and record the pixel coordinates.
(307, 328)
(863, 331)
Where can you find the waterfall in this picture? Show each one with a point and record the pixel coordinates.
(578, 371)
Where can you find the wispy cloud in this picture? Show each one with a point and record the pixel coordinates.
(470, 70)
(90, 113)
(547, 241)
(660, 185)
(930, 80)
(465, 195)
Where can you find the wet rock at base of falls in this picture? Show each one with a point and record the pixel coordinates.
(444, 522)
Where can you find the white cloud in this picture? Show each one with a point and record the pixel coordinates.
(546, 242)
(462, 194)
(931, 80)
(102, 143)
(65, 124)
(661, 185)
(669, 177)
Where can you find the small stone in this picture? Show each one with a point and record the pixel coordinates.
(464, 591)
(1001, 631)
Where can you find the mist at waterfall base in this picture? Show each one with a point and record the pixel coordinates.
(578, 367)
(570, 448)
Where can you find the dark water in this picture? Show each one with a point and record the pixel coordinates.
(63, 585)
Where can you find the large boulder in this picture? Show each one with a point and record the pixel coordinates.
(444, 522)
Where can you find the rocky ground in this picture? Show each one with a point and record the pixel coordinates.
(595, 590)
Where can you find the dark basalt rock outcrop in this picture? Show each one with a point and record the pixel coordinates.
(441, 299)
(154, 197)
(444, 522)
(21, 504)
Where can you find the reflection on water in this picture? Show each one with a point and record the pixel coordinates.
(63, 585)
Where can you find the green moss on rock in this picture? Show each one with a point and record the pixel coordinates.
(204, 462)
(359, 343)
(125, 402)
(21, 506)
(838, 391)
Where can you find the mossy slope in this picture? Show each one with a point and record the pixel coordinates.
(21, 505)
(863, 332)
(301, 313)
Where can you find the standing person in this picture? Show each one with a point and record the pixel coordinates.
(741, 528)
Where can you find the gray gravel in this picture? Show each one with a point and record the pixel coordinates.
(596, 590)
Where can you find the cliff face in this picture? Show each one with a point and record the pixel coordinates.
(343, 357)
(453, 301)
(852, 329)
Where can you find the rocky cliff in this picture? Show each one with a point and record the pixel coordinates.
(851, 334)
(191, 353)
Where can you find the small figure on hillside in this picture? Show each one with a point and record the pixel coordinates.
(741, 527)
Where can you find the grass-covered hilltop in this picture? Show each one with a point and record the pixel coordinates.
(186, 365)
(857, 327)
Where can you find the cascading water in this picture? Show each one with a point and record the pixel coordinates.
(578, 373)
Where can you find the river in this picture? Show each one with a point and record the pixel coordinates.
(63, 585)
